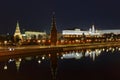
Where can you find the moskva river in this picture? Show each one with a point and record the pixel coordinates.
(87, 64)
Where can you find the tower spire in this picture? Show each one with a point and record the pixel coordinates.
(17, 33)
(17, 28)
(53, 21)
(53, 31)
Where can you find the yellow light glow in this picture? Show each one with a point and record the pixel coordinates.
(39, 61)
(43, 57)
(5, 67)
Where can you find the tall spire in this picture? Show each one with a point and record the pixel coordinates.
(17, 31)
(17, 28)
(53, 22)
(53, 31)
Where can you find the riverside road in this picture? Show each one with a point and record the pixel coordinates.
(37, 49)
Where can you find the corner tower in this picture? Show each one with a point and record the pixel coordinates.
(53, 34)
(17, 34)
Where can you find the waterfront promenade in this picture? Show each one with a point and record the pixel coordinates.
(37, 49)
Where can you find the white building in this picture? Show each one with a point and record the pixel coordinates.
(115, 31)
(91, 32)
(34, 35)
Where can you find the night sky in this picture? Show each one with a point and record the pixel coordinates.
(36, 14)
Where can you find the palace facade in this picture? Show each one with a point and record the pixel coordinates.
(91, 32)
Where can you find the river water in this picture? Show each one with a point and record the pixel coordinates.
(87, 64)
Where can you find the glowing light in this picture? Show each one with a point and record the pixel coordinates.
(110, 48)
(97, 51)
(61, 57)
(90, 54)
(11, 49)
(43, 41)
(43, 57)
(20, 59)
(5, 67)
(17, 64)
(86, 53)
(68, 56)
(103, 49)
(119, 49)
(113, 50)
(39, 61)
(77, 54)
(39, 41)
(93, 56)
(11, 60)
(49, 55)
(107, 50)
(72, 55)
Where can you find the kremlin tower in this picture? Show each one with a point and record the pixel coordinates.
(17, 34)
(53, 34)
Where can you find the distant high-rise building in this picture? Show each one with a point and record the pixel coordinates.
(53, 35)
(17, 33)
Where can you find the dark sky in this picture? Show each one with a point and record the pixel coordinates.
(36, 14)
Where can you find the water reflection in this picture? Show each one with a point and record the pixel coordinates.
(54, 65)
(5, 67)
(92, 53)
(44, 64)
(17, 62)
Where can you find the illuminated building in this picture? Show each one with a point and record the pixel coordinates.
(28, 36)
(17, 33)
(78, 32)
(34, 35)
(114, 31)
(91, 32)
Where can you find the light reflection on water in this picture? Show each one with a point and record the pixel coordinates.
(52, 65)
(92, 53)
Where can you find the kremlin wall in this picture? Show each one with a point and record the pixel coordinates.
(76, 36)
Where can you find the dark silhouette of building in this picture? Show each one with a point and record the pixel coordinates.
(54, 65)
(53, 35)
